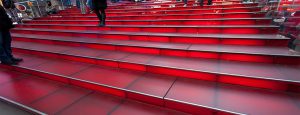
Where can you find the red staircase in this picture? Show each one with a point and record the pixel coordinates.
(221, 59)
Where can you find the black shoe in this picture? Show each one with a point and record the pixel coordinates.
(101, 25)
(102, 22)
(17, 60)
(10, 62)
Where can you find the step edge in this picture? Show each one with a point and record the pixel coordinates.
(184, 69)
(21, 106)
(122, 89)
(160, 48)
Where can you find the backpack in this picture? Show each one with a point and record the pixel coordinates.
(8, 4)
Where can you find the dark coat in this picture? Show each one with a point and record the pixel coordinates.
(8, 4)
(99, 4)
(5, 22)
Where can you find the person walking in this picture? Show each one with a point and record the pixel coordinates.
(201, 2)
(6, 24)
(185, 3)
(50, 9)
(100, 5)
(209, 2)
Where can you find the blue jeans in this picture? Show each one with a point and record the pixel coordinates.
(5, 46)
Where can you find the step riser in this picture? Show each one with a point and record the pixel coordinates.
(208, 16)
(190, 5)
(171, 7)
(193, 30)
(166, 4)
(216, 77)
(198, 9)
(169, 39)
(174, 8)
(168, 8)
(164, 12)
(172, 2)
(196, 109)
(173, 52)
(196, 22)
(180, 4)
(169, 2)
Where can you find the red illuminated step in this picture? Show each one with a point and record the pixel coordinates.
(170, 16)
(165, 3)
(168, 7)
(260, 75)
(220, 29)
(193, 11)
(57, 98)
(226, 21)
(175, 11)
(174, 7)
(180, 4)
(229, 39)
(223, 52)
(193, 96)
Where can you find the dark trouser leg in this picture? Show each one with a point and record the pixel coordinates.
(98, 14)
(201, 2)
(185, 1)
(209, 2)
(5, 46)
(103, 16)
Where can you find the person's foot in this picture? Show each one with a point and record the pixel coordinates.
(17, 60)
(9, 62)
(184, 5)
(101, 25)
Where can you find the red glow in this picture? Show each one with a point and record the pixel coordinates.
(138, 67)
(139, 50)
(107, 63)
(144, 98)
(95, 87)
(180, 53)
(195, 40)
(188, 108)
(158, 38)
(182, 73)
(99, 46)
(243, 42)
(260, 83)
(208, 55)
(247, 57)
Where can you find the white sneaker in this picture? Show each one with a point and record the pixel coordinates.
(184, 5)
